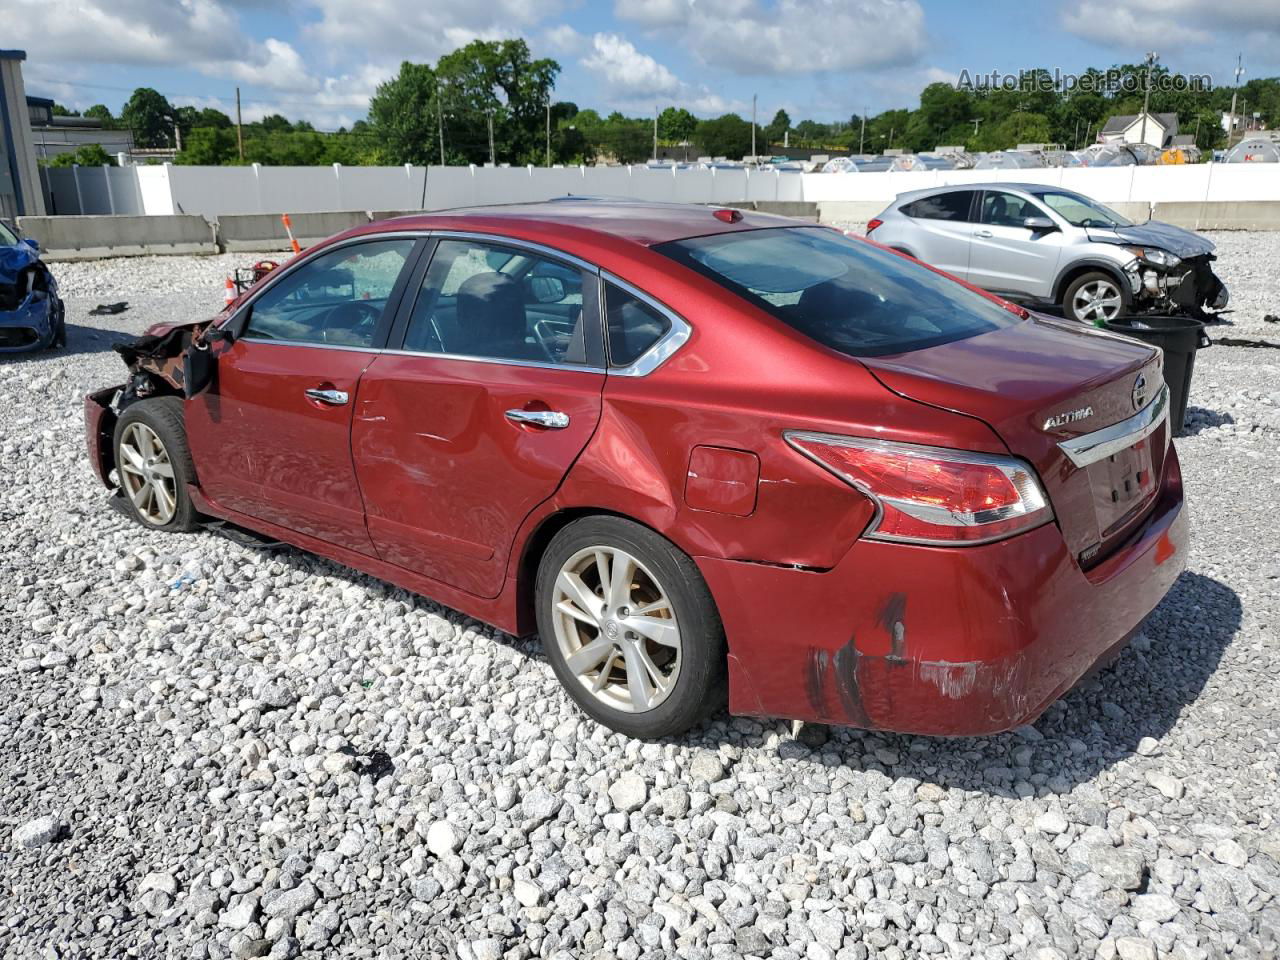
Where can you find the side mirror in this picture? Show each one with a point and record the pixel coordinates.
(31, 242)
(546, 289)
(1039, 224)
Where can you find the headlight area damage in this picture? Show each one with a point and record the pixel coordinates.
(32, 316)
(169, 359)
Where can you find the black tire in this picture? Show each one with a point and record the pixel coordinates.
(700, 685)
(59, 339)
(163, 415)
(1094, 276)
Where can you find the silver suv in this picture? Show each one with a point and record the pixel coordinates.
(1040, 244)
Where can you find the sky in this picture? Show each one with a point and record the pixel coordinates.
(321, 60)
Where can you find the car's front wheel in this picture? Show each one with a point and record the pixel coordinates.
(153, 464)
(630, 628)
(1094, 297)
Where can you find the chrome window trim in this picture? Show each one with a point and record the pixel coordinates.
(537, 364)
(663, 348)
(533, 247)
(658, 354)
(307, 343)
(1089, 448)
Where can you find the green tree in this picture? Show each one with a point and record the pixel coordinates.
(150, 116)
(85, 155)
(103, 115)
(777, 129)
(60, 111)
(676, 125)
(402, 114)
(727, 136)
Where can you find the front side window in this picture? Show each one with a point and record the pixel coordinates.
(502, 303)
(848, 295)
(337, 299)
(943, 206)
(1002, 209)
(7, 237)
(1080, 211)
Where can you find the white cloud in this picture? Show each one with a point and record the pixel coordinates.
(789, 36)
(419, 29)
(626, 72)
(564, 40)
(1142, 25)
(653, 13)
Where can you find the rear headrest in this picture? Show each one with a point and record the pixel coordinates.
(491, 309)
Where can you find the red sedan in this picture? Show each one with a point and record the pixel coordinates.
(704, 454)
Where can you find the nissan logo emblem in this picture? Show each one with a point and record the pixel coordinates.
(1140, 392)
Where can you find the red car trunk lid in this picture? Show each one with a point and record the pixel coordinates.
(1040, 382)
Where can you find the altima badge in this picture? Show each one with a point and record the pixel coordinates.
(1069, 416)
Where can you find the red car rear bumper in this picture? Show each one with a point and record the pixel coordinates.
(946, 641)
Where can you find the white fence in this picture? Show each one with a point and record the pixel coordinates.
(215, 191)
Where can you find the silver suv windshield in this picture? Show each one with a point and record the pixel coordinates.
(849, 295)
(1081, 211)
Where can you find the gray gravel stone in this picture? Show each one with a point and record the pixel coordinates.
(37, 832)
(204, 719)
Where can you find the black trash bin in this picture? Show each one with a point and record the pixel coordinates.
(1179, 338)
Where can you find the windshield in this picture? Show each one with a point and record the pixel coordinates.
(846, 294)
(1081, 211)
(7, 236)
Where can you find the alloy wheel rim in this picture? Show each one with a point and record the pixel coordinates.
(616, 628)
(146, 473)
(1099, 300)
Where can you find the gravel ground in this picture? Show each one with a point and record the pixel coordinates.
(211, 751)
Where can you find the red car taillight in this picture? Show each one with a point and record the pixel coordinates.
(872, 224)
(932, 495)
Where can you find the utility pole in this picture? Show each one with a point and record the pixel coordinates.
(493, 156)
(548, 131)
(862, 134)
(655, 133)
(440, 124)
(239, 131)
(1231, 122)
(1146, 96)
(753, 126)
(177, 136)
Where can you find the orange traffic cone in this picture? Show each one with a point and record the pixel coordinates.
(230, 296)
(288, 228)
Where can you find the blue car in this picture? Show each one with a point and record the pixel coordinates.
(32, 316)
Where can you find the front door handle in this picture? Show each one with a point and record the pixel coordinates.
(551, 419)
(333, 397)
(982, 233)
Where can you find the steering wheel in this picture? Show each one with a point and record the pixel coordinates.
(347, 321)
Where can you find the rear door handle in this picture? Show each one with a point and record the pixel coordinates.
(983, 233)
(333, 397)
(551, 419)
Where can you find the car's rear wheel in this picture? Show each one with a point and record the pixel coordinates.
(630, 628)
(1094, 297)
(153, 464)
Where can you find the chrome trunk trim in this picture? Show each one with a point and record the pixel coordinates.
(1091, 447)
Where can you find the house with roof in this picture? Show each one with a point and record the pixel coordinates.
(1161, 128)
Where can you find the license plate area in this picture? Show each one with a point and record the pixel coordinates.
(1123, 485)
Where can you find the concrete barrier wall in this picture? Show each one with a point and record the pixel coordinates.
(91, 237)
(264, 232)
(1253, 215)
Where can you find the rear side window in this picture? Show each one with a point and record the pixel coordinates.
(846, 294)
(634, 326)
(942, 206)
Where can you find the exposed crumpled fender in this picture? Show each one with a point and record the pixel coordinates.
(161, 350)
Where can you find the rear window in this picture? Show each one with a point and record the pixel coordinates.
(846, 294)
(941, 206)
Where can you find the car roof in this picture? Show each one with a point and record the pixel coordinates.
(984, 185)
(640, 221)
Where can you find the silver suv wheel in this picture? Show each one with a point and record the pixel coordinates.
(1097, 300)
